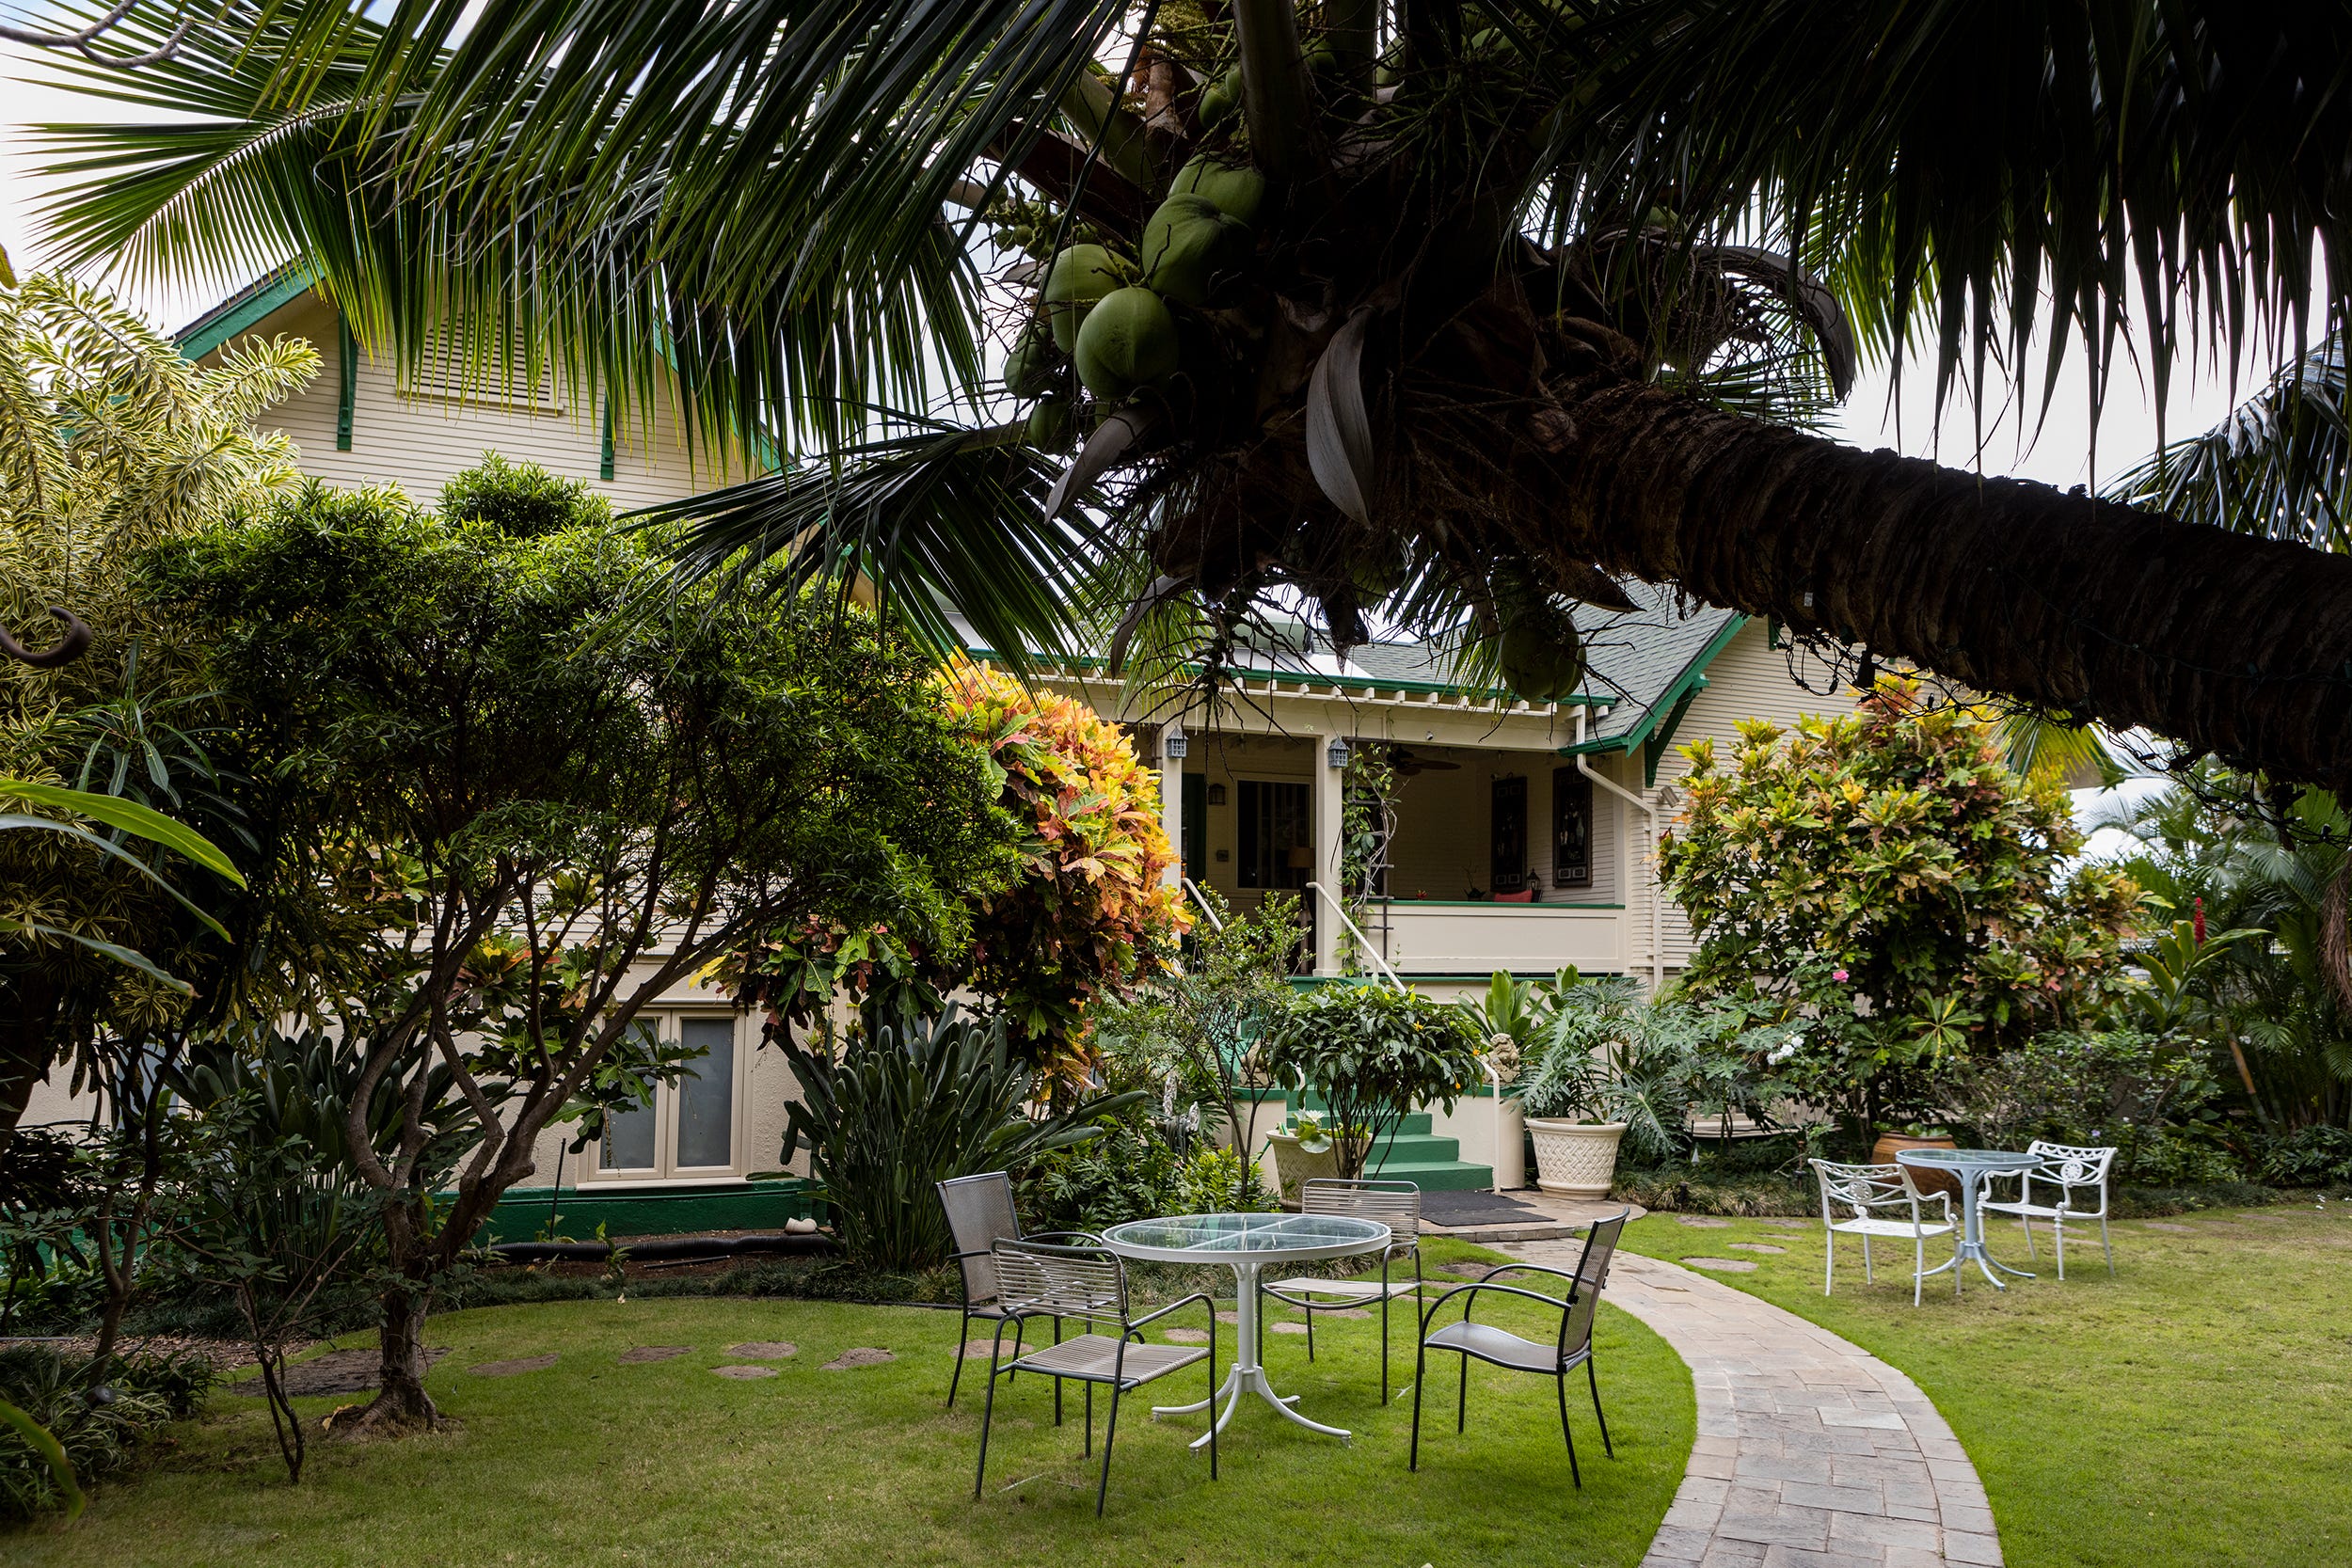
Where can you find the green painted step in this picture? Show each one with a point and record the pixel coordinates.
(1452, 1175)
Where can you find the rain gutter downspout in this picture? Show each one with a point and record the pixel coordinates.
(1657, 916)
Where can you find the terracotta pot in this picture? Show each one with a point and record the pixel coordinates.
(1883, 1153)
(1575, 1159)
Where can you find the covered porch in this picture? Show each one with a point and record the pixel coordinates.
(1503, 855)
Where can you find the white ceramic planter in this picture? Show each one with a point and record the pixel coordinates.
(1575, 1159)
(1294, 1166)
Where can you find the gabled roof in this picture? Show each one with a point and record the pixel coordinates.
(241, 311)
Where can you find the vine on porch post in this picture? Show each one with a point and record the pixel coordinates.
(1367, 822)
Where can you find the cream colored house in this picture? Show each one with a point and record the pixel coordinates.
(1523, 834)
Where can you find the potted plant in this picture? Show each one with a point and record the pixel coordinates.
(1371, 1053)
(1302, 1150)
(1917, 1135)
(1614, 1069)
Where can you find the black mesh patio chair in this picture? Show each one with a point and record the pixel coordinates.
(1501, 1348)
(981, 1214)
(1394, 1204)
(1088, 1284)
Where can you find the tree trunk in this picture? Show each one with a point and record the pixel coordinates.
(2237, 646)
(401, 1403)
(28, 1020)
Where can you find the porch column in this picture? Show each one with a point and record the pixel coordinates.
(1172, 749)
(1328, 805)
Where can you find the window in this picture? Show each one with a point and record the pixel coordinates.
(447, 372)
(689, 1128)
(1507, 836)
(1572, 829)
(1275, 844)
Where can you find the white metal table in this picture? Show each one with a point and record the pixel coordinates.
(1245, 1244)
(1972, 1168)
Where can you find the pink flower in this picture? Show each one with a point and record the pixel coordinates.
(1839, 975)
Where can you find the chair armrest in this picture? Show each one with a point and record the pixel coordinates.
(1202, 1296)
(1476, 1285)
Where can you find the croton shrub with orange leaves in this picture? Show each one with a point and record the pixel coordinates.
(1092, 916)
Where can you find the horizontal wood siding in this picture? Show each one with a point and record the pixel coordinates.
(419, 443)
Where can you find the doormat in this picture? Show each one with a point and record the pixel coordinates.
(1457, 1209)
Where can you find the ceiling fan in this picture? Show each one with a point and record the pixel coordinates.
(1407, 763)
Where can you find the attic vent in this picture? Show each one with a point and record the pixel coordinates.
(448, 372)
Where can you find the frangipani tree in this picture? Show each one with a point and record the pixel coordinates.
(1460, 309)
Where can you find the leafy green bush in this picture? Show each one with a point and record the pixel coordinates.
(1128, 1173)
(2148, 1096)
(1372, 1053)
(2309, 1157)
(97, 1411)
(907, 1107)
(1606, 1054)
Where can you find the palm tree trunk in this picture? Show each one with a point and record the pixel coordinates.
(2233, 645)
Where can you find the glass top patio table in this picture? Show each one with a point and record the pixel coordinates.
(1263, 1238)
(1973, 1167)
(1245, 1244)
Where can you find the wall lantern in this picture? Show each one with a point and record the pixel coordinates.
(1338, 754)
(1216, 795)
(1173, 745)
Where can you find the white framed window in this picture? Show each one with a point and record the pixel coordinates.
(694, 1127)
(447, 372)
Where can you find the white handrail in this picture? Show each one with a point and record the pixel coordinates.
(1362, 940)
(1200, 898)
(1485, 1063)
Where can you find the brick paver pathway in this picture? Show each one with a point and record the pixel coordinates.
(1811, 1453)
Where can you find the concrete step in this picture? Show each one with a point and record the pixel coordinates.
(1419, 1149)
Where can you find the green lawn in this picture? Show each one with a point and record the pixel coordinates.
(592, 1461)
(2194, 1410)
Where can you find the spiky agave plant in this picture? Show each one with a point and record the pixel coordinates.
(1472, 308)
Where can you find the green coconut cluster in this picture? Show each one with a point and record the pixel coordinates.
(1110, 315)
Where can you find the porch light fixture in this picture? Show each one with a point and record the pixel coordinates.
(1216, 795)
(1338, 754)
(1173, 745)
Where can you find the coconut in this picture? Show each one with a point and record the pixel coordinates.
(1186, 243)
(1220, 98)
(1128, 340)
(1049, 426)
(1237, 189)
(1082, 274)
(1031, 368)
(1543, 655)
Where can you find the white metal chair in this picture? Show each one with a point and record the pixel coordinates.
(2070, 1169)
(1394, 1204)
(1860, 1189)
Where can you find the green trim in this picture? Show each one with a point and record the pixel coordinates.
(347, 377)
(1655, 747)
(1671, 701)
(1483, 904)
(604, 457)
(241, 312)
(522, 1213)
(1361, 683)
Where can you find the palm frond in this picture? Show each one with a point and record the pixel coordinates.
(936, 519)
(1948, 173)
(2280, 465)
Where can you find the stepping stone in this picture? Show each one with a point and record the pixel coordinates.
(1288, 1328)
(1229, 1317)
(1757, 1247)
(1720, 1265)
(516, 1368)
(1790, 1225)
(339, 1372)
(764, 1349)
(2266, 1219)
(744, 1374)
(864, 1355)
(637, 1355)
(1188, 1336)
(980, 1350)
(1467, 1271)
(2176, 1230)
(1703, 1222)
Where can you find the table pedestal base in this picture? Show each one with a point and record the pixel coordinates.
(1974, 1252)
(1248, 1376)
